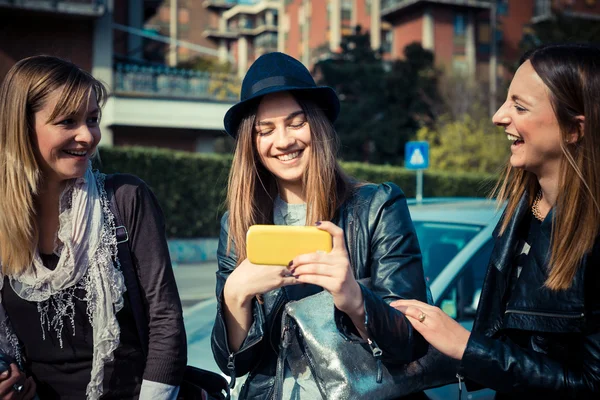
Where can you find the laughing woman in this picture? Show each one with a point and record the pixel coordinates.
(537, 330)
(65, 317)
(284, 172)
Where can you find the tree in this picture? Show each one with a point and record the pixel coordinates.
(560, 28)
(466, 144)
(383, 103)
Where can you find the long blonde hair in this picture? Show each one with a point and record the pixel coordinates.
(252, 188)
(23, 92)
(572, 75)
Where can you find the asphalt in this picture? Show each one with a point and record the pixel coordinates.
(196, 284)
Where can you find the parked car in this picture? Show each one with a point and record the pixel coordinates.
(455, 236)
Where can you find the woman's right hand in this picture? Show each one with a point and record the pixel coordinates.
(248, 280)
(15, 376)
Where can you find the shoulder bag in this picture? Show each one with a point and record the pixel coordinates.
(348, 369)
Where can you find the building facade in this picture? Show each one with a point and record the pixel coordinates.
(470, 37)
(150, 103)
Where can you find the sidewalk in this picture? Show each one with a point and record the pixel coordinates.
(196, 282)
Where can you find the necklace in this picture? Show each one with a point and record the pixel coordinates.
(535, 207)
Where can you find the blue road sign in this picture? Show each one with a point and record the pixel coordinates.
(416, 155)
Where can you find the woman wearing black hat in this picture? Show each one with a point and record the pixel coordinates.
(284, 172)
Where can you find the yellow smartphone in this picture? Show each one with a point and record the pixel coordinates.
(279, 244)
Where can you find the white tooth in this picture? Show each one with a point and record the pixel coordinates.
(288, 157)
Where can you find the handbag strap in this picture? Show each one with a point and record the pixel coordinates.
(129, 274)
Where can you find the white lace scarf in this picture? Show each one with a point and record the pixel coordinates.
(86, 245)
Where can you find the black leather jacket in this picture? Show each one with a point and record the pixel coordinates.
(382, 245)
(540, 342)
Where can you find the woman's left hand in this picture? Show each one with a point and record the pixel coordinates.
(437, 327)
(332, 271)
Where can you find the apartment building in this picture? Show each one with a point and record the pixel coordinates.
(151, 103)
(306, 29)
(461, 32)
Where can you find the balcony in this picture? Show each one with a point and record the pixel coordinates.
(391, 7)
(542, 10)
(219, 4)
(212, 33)
(84, 8)
(133, 80)
(258, 30)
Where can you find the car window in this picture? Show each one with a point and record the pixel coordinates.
(440, 242)
(461, 298)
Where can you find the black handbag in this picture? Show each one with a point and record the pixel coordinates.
(197, 383)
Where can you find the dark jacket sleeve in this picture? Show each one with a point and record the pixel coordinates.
(396, 273)
(167, 347)
(249, 353)
(506, 367)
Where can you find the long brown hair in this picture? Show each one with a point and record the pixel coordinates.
(252, 188)
(23, 92)
(572, 74)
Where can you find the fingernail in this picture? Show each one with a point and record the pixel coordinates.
(4, 374)
(290, 263)
(295, 276)
(318, 223)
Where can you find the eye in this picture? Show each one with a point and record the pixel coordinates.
(519, 108)
(297, 124)
(263, 132)
(66, 122)
(93, 120)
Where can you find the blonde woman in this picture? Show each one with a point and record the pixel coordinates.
(285, 172)
(65, 316)
(537, 330)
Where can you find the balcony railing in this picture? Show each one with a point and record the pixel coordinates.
(391, 6)
(542, 9)
(92, 8)
(165, 82)
(219, 3)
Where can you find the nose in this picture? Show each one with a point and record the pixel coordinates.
(501, 118)
(284, 138)
(87, 135)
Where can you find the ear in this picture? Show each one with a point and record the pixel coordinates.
(576, 135)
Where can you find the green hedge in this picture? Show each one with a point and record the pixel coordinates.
(191, 187)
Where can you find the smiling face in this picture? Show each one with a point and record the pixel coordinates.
(283, 139)
(64, 145)
(530, 124)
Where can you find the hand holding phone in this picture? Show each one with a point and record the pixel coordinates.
(279, 244)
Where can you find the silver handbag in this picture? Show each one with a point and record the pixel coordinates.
(348, 369)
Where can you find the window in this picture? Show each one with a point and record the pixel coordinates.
(461, 298)
(440, 242)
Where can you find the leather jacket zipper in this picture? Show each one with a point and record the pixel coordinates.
(545, 314)
(377, 352)
(460, 385)
(232, 354)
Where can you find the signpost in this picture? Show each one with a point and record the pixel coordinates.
(416, 157)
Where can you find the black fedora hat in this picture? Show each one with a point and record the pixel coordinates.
(278, 72)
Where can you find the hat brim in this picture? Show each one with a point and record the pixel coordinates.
(324, 96)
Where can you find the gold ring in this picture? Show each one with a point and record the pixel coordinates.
(422, 317)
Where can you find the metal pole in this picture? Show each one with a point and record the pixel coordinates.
(493, 59)
(173, 34)
(419, 186)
